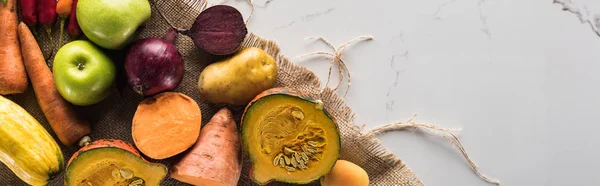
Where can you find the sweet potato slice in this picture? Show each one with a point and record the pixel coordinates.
(215, 159)
(166, 125)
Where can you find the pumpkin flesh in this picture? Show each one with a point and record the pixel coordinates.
(281, 127)
(112, 166)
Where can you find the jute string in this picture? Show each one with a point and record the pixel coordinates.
(336, 59)
(448, 134)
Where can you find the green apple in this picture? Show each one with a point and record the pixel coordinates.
(83, 74)
(112, 24)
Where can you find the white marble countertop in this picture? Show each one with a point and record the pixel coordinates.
(520, 77)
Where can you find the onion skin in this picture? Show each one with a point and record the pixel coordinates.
(154, 65)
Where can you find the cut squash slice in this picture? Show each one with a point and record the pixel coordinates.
(289, 137)
(112, 163)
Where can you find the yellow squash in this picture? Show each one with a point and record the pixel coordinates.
(26, 147)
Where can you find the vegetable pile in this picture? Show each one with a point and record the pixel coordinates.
(285, 134)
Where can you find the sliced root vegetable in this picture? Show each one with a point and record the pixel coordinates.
(166, 124)
(110, 162)
(215, 159)
(218, 30)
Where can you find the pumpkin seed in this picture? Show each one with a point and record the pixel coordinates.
(288, 151)
(298, 114)
(311, 150)
(126, 173)
(276, 161)
(294, 162)
(309, 154)
(312, 143)
(304, 148)
(297, 157)
(287, 160)
(303, 166)
(115, 174)
(304, 156)
(291, 169)
(281, 161)
(137, 182)
(319, 104)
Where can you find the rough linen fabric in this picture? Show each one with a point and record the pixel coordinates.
(112, 117)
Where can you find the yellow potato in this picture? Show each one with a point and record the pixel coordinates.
(345, 173)
(238, 79)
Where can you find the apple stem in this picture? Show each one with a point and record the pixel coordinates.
(170, 36)
(80, 66)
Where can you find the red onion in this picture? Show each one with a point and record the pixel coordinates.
(154, 65)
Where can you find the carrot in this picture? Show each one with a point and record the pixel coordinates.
(13, 78)
(73, 27)
(46, 10)
(63, 9)
(166, 124)
(67, 125)
(216, 158)
(28, 11)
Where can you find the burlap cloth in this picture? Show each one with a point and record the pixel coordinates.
(112, 117)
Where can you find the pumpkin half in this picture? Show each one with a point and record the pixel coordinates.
(109, 162)
(289, 137)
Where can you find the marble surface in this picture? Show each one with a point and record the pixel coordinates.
(518, 76)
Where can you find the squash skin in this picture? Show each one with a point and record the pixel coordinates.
(36, 156)
(292, 93)
(110, 143)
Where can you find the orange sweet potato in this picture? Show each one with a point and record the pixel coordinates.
(215, 159)
(166, 125)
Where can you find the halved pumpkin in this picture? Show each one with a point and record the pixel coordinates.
(289, 137)
(111, 162)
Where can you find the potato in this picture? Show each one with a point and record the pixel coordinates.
(238, 79)
(345, 173)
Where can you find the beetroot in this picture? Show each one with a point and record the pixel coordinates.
(218, 30)
(154, 65)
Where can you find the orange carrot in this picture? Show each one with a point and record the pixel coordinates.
(67, 125)
(13, 78)
(166, 124)
(63, 9)
(215, 159)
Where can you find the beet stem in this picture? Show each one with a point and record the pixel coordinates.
(170, 36)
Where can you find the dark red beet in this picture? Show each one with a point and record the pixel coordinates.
(154, 65)
(219, 30)
(73, 27)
